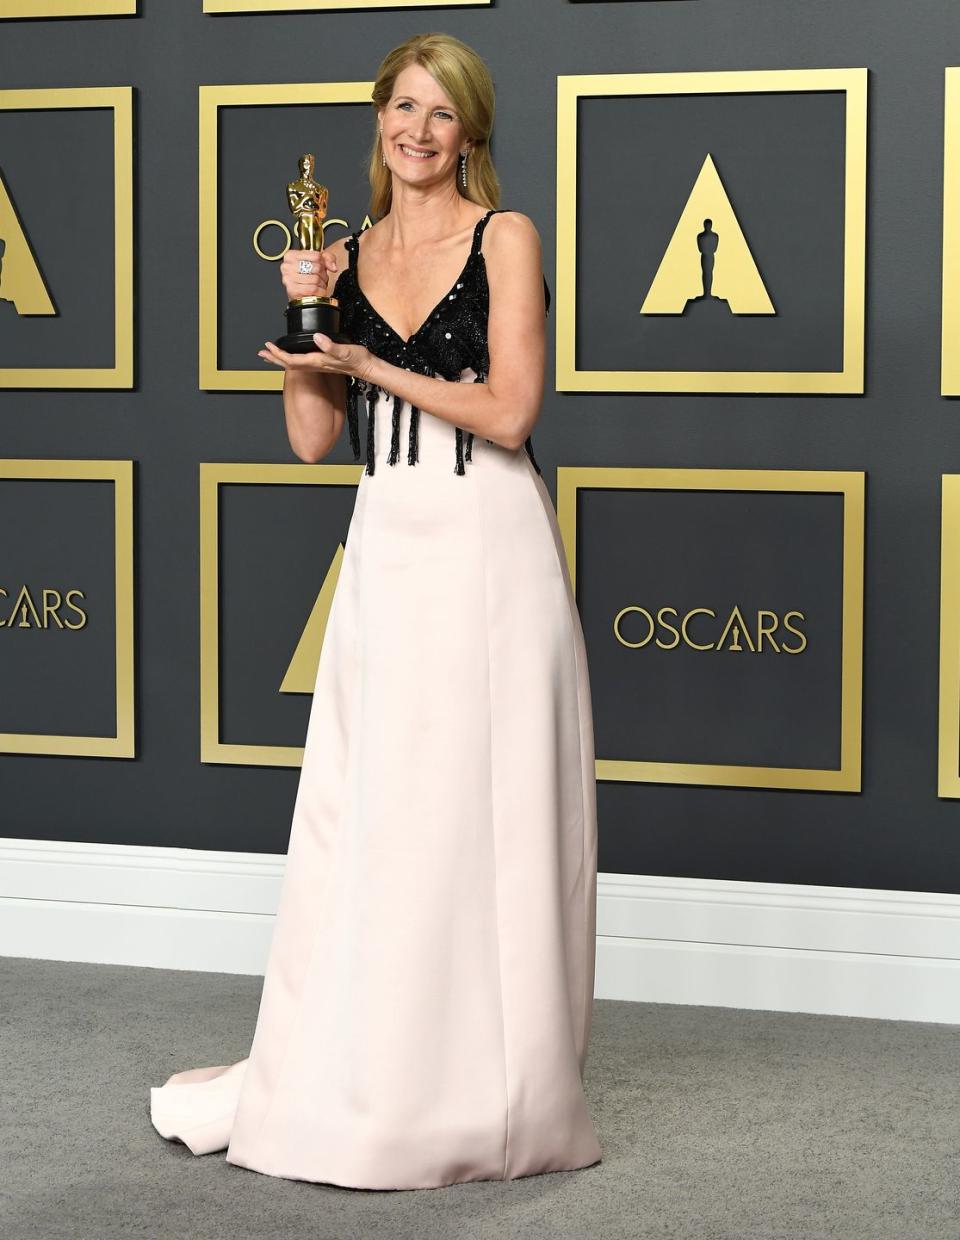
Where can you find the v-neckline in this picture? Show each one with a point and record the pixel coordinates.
(474, 250)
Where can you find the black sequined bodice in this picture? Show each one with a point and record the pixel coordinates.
(452, 338)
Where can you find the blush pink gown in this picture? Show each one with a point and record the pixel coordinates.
(428, 996)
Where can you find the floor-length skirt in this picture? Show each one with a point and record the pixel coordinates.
(427, 1002)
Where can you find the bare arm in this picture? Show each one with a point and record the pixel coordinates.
(314, 402)
(314, 406)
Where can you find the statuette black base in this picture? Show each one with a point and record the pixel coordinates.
(306, 317)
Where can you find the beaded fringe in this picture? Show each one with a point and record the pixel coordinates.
(395, 432)
(373, 395)
(413, 447)
(353, 415)
(463, 450)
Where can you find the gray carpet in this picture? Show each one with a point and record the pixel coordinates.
(715, 1124)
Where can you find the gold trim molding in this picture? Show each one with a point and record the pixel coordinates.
(120, 100)
(320, 6)
(849, 484)
(948, 757)
(950, 305)
(212, 99)
(67, 8)
(123, 743)
(213, 474)
(573, 87)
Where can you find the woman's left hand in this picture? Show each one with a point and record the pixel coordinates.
(331, 359)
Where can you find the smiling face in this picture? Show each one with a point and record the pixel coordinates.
(422, 133)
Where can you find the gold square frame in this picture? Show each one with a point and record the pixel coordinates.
(68, 8)
(571, 88)
(950, 303)
(212, 475)
(123, 743)
(851, 485)
(948, 746)
(212, 99)
(325, 6)
(120, 100)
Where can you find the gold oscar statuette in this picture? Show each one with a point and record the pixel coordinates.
(307, 200)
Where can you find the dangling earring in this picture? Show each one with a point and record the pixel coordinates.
(383, 158)
(463, 169)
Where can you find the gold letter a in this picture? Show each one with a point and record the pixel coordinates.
(721, 248)
(20, 278)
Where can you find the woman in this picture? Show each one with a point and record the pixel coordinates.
(428, 996)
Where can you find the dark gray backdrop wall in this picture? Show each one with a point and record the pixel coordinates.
(896, 833)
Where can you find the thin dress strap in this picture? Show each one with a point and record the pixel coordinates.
(479, 227)
(351, 245)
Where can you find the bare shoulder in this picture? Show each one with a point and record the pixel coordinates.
(510, 234)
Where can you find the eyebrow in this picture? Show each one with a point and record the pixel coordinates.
(447, 107)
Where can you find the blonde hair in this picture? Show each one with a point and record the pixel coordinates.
(466, 80)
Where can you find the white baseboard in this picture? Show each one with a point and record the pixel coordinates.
(846, 951)
(840, 950)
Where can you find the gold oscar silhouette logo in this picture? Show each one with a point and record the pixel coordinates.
(708, 260)
(21, 283)
(301, 675)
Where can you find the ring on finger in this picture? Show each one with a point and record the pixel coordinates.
(305, 266)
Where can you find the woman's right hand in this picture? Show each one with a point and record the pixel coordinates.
(311, 284)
